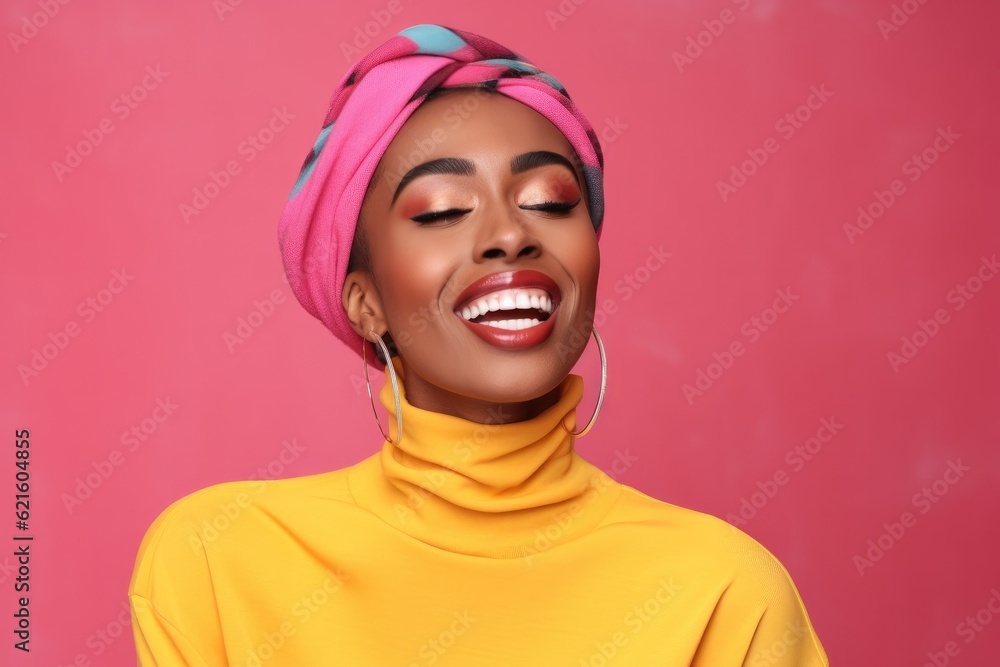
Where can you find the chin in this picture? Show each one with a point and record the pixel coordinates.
(509, 381)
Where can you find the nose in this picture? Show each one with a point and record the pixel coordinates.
(505, 236)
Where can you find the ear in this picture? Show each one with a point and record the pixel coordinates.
(363, 304)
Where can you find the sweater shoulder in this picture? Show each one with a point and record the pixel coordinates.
(636, 505)
(205, 502)
(743, 577)
(180, 531)
(706, 538)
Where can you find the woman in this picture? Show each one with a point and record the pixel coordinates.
(451, 209)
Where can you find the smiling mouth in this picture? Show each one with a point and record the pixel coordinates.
(512, 309)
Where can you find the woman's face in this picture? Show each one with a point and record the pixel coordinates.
(478, 198)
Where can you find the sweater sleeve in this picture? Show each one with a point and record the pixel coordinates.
(784, 636)
(760, 619)
(157, 642)
(175, 618)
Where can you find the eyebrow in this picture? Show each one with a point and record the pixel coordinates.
(463, 167)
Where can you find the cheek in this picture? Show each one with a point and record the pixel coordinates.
(412, 278)
(584, 259)
(585, 255)
(593, 269)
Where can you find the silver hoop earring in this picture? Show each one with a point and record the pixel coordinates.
(395, 387)
(604, 386)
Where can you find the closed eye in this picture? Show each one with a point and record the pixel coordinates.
(553, 206)
(546, 206)
(440, 215)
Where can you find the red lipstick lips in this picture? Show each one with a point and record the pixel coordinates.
(510, 338)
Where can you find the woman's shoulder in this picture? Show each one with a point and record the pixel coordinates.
(727, 565)
(209, 500)
(669, 516)
(227, 512)
(702, 537)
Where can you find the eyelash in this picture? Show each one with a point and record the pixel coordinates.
(439, 215)
(547, 206)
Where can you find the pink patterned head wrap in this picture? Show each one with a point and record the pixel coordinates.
(367, 109)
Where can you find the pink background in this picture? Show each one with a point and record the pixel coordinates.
(672, 130)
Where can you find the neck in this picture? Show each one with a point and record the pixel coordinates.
(488, 488)
(422, 394)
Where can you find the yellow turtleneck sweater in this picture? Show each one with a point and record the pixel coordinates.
(468, 544)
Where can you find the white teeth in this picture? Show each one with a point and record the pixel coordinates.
(509, 299)
(516, 325)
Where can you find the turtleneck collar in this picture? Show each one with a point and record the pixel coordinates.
(497, 490)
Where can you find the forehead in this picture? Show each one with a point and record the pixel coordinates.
(471, 123)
